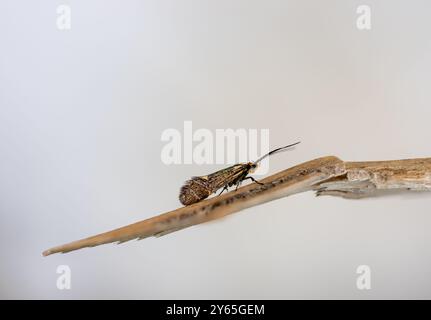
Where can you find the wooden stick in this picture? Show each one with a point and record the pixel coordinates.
(364, 179)
(326, 176)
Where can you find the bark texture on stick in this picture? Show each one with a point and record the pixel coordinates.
(327, 176)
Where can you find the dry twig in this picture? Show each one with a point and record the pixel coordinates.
(326, 176)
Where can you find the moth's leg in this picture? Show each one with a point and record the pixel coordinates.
(254, 180)
(224, 188)
(238, 184)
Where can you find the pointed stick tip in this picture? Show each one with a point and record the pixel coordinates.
(46, 253)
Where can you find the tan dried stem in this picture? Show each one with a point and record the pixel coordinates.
(326, 176)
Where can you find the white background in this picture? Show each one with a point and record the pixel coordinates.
(82, 112)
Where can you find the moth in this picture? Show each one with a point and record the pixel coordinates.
(201, 187)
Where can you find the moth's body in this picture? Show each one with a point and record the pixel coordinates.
(199, 188)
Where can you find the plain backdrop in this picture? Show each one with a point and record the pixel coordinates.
(82, 112)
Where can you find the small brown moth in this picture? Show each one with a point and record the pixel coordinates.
(199, 188)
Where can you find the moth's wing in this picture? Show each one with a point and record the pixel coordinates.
(195, 189)
(227, 176)
(200, 177)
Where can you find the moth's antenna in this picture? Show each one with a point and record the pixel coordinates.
(275, 151)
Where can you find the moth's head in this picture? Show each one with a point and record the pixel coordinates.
(253, 166)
